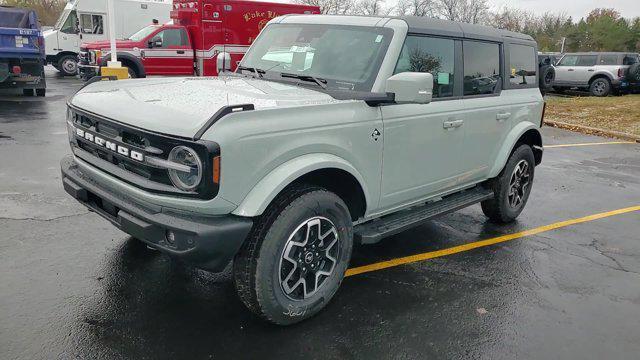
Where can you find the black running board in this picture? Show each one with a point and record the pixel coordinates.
(373, 231)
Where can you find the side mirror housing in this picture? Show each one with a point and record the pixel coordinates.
(155, 42)
(411, 87)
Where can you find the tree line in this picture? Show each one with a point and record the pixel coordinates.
(600, 30)
(48, 10)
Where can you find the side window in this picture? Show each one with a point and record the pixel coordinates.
(481, 67)
(569, 60)
(173, 38)
(522, 65)
(608, 60)
(91, 24)
(432, 55)
(587, 60)
(70, 25)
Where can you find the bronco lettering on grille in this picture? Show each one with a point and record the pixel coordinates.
(109, 145)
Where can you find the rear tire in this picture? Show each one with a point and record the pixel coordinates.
(600, 87)
(295, 256)
(512, 187)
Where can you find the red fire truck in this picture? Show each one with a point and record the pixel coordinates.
(203, 38)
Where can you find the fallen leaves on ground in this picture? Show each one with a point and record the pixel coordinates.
(617, 113)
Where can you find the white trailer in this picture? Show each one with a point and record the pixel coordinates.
(84, 21)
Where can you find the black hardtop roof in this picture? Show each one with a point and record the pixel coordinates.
(425, 25)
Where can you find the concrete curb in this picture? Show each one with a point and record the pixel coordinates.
(593, 131)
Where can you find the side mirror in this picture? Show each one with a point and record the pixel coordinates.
(411, 87)
(155, 42)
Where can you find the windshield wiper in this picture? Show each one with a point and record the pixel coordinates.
(321, 82)
(254, 70)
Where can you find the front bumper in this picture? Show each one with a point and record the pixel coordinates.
(206, 242)
(86, 72)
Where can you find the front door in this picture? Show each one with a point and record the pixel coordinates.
(422, 143)
(565, 70)
(68, 36)
(172, 55)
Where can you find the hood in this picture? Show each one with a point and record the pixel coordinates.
(102, 44)
(50, 41)
(181, 106)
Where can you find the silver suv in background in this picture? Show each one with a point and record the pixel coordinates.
(601, 73)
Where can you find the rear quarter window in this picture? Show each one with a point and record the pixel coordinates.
(522, 65)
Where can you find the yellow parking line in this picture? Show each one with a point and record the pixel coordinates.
(589, 144)
(478, 244)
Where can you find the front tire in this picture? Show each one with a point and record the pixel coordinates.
(296, 255)
(512, 187)
(68, 65)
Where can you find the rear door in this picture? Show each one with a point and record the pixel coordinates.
(488, 108)
(173, 57)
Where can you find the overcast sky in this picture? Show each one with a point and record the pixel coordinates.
(574, 8)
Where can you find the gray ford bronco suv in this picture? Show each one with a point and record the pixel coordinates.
(334, 129)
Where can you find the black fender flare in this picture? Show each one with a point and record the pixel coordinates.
(139, 67)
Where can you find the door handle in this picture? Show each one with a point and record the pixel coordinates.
(451, 124)
(180, 51)
(591, 70)
(570, 70)
(503, 116)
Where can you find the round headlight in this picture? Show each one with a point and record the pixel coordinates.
(184, 179)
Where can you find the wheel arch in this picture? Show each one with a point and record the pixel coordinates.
(325, 170)
(601, 75)
(523, 133)
(64, 53)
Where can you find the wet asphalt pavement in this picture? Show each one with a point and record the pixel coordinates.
(72, 286)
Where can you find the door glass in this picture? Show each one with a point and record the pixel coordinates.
(522, 65)
(172, 38)
(608, 60)
(91, 24)
(70, 25)
(569, 60)
(481, 77)
(432, 55)
(587, 60)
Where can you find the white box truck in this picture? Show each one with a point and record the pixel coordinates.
(86, 21)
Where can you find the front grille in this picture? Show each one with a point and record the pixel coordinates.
(148, 144)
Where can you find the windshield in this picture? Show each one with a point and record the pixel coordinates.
(346, 57)
(62, 18)
(143, 33)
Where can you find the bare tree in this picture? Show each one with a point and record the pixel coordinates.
(371, 7)
(416, 7)
(334, 7)
(469, 11)
(47, 10)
